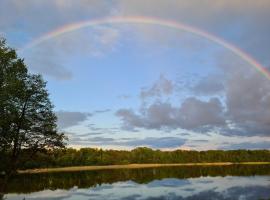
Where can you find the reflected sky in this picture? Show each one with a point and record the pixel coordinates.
(229, 187)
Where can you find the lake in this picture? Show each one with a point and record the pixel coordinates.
(242, 182)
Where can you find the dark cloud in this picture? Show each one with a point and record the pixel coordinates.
(244, 92)
(169, 182)
(199, 140)
(196, 113)
(235, 21)
(240, 108)
(132, 197)
(246, 98)
(47, 61)
(101, 139)
(210, 85)
(68, 119)
(50, 58)
(248, 193)
(130, 119)
(89, 134)
(94, 128)
(183, 134)
(248, 102)
(220, 17)
(152, 142)
(248, 145)
(192, 114)
(86, 141)
(126, 139)
(102, 111)
(52, 13)
(162, 86)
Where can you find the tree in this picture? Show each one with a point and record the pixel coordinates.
(27, 121)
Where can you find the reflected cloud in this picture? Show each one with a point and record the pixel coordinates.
(179, 183)
(169, 183)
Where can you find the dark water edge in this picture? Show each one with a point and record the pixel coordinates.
(29, 183)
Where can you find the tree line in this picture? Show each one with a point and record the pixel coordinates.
(93, 156)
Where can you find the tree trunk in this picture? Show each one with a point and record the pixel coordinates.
(3, 186)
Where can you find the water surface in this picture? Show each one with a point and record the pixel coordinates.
(168, 183)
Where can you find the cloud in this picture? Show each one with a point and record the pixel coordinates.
(110, 130)
(152, 142)
(101, 140)
(52, 58)
(248, 145)
(199, 140)
(102, 111)
(217, 17)
(209, 193)
(86, 140)
(192, 114)
(89, 134)
(196, 113)
(240, 106)
(246, 98)
(130, 119)
(244, 94)
(68, 119)
(52, 13)
(248, 103)
(209, 85)
(46, 61)
(161, 87)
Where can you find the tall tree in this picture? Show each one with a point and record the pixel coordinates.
(27, 120)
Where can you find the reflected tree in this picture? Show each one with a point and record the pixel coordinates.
(26, 183)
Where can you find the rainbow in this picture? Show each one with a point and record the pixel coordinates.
(154, 21)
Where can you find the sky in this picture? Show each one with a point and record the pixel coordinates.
(130, 84)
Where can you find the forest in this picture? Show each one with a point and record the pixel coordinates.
(93, 156)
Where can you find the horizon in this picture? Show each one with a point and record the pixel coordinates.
(166, 79)
(162, 150)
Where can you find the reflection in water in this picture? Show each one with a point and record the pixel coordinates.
(227, 182)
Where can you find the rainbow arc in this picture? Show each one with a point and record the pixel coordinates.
(154, 21)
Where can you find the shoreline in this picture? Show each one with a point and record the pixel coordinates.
(131, 166)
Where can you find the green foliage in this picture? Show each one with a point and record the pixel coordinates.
(141, 155)
(27, 121)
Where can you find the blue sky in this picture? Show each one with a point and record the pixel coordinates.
(127, 85)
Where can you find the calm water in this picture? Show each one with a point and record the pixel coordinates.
(229, 182)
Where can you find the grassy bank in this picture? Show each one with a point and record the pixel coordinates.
(131, 166)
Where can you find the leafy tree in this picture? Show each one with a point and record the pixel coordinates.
(27, 120)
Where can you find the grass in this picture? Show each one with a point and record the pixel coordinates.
(131, 166)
